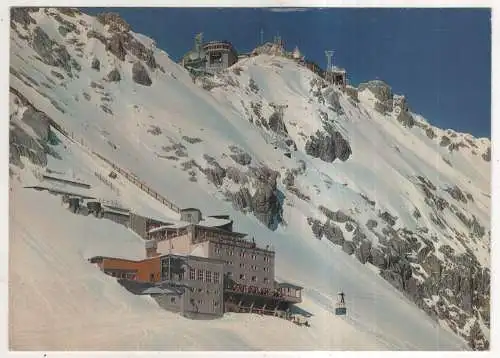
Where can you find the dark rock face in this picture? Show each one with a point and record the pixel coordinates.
(317, 228)
(216, 175)
(121, 41)
(333, 101)
(337, 216)
(115, 45)
(382, 92)
(457, 194)
(377, 258)
(406, 119)
(265, 203)
(445, 141)
(487, 155)
(140, 74)
(328, 148)
(276, 124)
(380, 89)
(352, 93)
(113, 76)
(240, 156)
(22, 144)
(96, 35)
(21, 15)
(49, 51)
(429, 132)
(96, 64)
(236, 175)
(66, 26)
(114, 21)
(348, 247)
(333, 233)
(242, 200)
(388, 218)
(404, 116)
(363, 252)
(371, 224)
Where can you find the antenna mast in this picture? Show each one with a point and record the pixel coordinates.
(262, 36)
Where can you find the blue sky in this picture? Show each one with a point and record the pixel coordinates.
(439, 58)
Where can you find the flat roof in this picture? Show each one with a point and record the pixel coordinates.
(96, 259)
(160, 228)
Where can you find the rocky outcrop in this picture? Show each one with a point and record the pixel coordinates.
(337, 216)
(50, 52)
(388, 218)
(114, 76)
(140, 74)
(240, 156)
(215, 174)
(316, 227)
(96, 64)
(333, 233)
(487, 155)
(327, 147)
(352, 92)
(348, 247)
(456, 194)
(332, 100)
(371, 224)
(445, 141)
(382, 92)
(23, 144)
(114, 22)
(276, 124)
(236, 175)
(21, 15)
(242, 200)
(265, 203)
(404, 117)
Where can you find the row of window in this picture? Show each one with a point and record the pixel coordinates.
(252, 278)
(207, 291)
(241, 253)
(252, 267)
(127, 275)
(204, 275)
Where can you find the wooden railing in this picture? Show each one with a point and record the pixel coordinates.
(129, 176)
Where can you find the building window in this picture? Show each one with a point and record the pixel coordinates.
(254, 268)
(192, 274)
(254, 278)
(208, 276)
(266, 258)
(200, 275)
(216, 303)
(254, 257)
(242, 265)
(242, 276)
(217, 277)
(172, 300)
(266, 280)
(152, 277)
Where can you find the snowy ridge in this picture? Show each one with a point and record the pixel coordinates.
(408, 200)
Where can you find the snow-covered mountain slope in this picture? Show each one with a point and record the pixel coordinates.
(374, 200)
